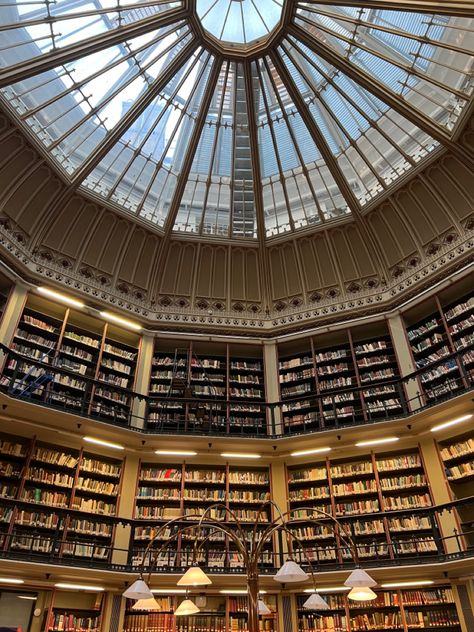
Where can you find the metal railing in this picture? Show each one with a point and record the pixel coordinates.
(58, 544)
(55, 387)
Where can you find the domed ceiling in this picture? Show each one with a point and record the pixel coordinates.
(246, 121)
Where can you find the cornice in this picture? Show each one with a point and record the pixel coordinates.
(326, 310)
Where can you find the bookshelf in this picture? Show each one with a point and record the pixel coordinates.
(72, 612)
(437, 328)
(161, 621)
(398, 610)
(373, 497)
(324, 365)
(167, 491)
(457, 455)
(223, 386)
(59, 478)
(83, 346)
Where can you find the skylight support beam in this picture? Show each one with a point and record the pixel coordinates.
(134, 112)
(379, 90)
(257, 186)
(49, 61)
(458, 8)
(329, 158)
(186, 168)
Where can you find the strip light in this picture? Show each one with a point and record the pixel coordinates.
(29, 597)
(58, 296)
(328, 589)
(67, 586)
(239, 455)
(239, 591)
(168, 591)
(121, 321)
(8, 580)
(363, 444)
(107, 444)
(453, 422)
(313, 451)
(421, 582)
(176, 452)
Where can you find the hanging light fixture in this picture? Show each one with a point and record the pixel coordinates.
(362, 593)
(138, 590)
(315, 602)
(194, 576)
(361, 583)
(290, 572)
(186, 607)
(262, 607)
(146, 604)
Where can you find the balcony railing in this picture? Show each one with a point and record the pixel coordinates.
(57, 545)
(55, 387)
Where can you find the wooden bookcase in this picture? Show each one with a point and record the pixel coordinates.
(169, 491)
(437, 328)
(85, 346)
(219, 614)
(222, 385)
(457, 455)
(322, 366)
(48, 477)
(70, 611)
(372, 497)
(399, 610)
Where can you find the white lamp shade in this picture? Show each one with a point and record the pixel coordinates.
(315, 602)
(138, 590)
(194, 576)
(186, 607)
(291, 572)
(146, 604)
(362, 593)
(262, 607)
(359, 578)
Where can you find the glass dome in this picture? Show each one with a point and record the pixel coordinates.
(137, 109)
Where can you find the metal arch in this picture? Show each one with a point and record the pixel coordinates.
(457, 8)
(187, 164)
(328, 156)
(133, 113)
(48, 61)
(372, 85)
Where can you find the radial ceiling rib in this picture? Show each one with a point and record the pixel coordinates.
(61, 56)
(257, 179)
(373, 26)
(327, 154)
(134, 112)
(187, 162)
(460, 8)
(373, 85)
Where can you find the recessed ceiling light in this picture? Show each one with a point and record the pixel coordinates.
(453, 422)
(115, 318)
(68, 586)
(107, 444)
(241, 455)
(313, 451)
(58, 296)
(421, 582)
(362, 444)
(176, 452)
(8, 580)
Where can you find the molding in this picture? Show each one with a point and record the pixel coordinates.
(325, 309)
